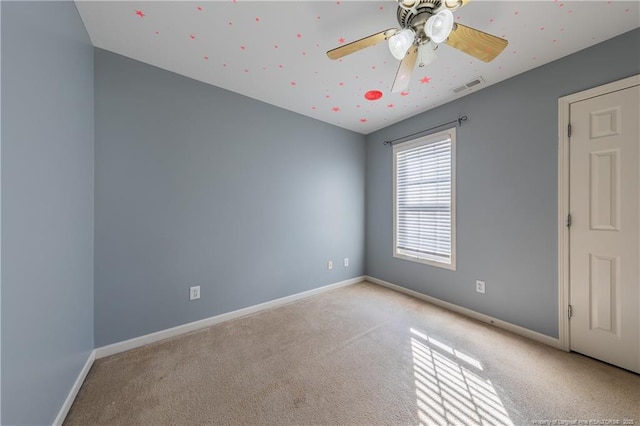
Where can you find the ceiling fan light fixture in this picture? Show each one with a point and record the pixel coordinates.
(453, 4)
(427, 54)
(439, 26)
(407, 4)
(401, 42)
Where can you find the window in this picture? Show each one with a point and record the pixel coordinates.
(424, 200)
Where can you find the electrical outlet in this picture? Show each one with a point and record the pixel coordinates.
(480, 286)
(330, 264)
(346, 262)
(194, 292)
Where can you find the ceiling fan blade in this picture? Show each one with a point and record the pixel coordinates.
(476, 43)
(403, 76)
(369, 41)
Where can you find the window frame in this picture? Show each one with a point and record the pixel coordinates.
(411, 144)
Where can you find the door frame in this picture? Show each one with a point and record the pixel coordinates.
(564, 105)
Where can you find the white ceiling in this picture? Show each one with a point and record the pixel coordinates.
(276, 51)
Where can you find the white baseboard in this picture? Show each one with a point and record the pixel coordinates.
(516, 329)
(64, 410)
(137, 342)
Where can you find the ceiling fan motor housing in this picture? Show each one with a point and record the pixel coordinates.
(417, 15)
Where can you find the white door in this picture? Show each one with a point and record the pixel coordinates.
(604, 238)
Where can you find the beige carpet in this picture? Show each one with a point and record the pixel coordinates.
(358, 355)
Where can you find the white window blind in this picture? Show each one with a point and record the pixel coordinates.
(424, 200)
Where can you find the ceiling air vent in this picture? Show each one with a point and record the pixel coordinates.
(470, 85)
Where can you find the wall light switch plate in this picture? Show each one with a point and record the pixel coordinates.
(480, 286)
(330, 264)
(194, 292)
(346, 262)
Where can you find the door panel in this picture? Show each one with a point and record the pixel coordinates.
(604, 239)
(603, 293)
(604, 202)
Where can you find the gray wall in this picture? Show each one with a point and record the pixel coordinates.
(506, 189)
(196, 185)
(47, 207)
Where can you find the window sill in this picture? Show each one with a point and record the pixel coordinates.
(449, 266)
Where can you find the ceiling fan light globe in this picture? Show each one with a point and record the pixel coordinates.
(401, 42)
(427, 54)
(453, 4)
(406, 4)
(439, 26)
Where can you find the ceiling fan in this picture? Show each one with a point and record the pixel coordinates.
(424, 25)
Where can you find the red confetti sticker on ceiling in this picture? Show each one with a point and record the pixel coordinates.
(140, 13)
(373, 95)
